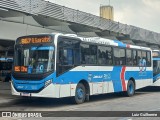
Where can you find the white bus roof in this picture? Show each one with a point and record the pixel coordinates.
(106, 41)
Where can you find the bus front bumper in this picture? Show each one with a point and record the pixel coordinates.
(51, 91)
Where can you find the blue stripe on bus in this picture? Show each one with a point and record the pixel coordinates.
(121, 44)
(73, 77)
(156, 58)
(101, 76)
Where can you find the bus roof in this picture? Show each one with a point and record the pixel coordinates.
(98, 40)
(106, 41)
(156, 50)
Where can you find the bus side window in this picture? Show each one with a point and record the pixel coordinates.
(119, 56)
(88, 54)
(144, 55)
(134, 58)
(129, 57)
(104, 55)
(148, 59)
(139, 57)
(63, 57)
(76, 53)
(84, 53)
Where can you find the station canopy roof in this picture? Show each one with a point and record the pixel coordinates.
(51, 14)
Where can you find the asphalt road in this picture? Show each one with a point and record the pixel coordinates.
(147, 99)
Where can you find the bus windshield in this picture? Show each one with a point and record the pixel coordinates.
(34, 59)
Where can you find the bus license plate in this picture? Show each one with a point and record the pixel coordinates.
(25, 94)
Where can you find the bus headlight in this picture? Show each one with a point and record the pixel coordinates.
(48, 82)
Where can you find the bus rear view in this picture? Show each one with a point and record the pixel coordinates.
(33, 65)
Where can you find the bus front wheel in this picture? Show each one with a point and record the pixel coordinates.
(80, 94)
(130, 88)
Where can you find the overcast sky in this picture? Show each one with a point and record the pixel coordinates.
(140, 13)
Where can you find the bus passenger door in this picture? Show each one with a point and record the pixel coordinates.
(68, 55)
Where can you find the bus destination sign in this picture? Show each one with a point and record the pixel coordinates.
(34, 40)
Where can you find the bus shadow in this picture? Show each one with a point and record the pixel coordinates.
(150, 89)
(56, 102)
(40, 102)
(60, 102)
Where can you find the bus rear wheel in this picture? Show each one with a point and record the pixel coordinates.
(80, 94)
(130, 88)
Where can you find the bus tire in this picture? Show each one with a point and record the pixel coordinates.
(80, 94)
(130, 88)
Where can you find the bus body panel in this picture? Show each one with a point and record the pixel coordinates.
(106, 81)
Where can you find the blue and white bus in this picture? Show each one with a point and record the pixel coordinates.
(64, 65)
(156, 67)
